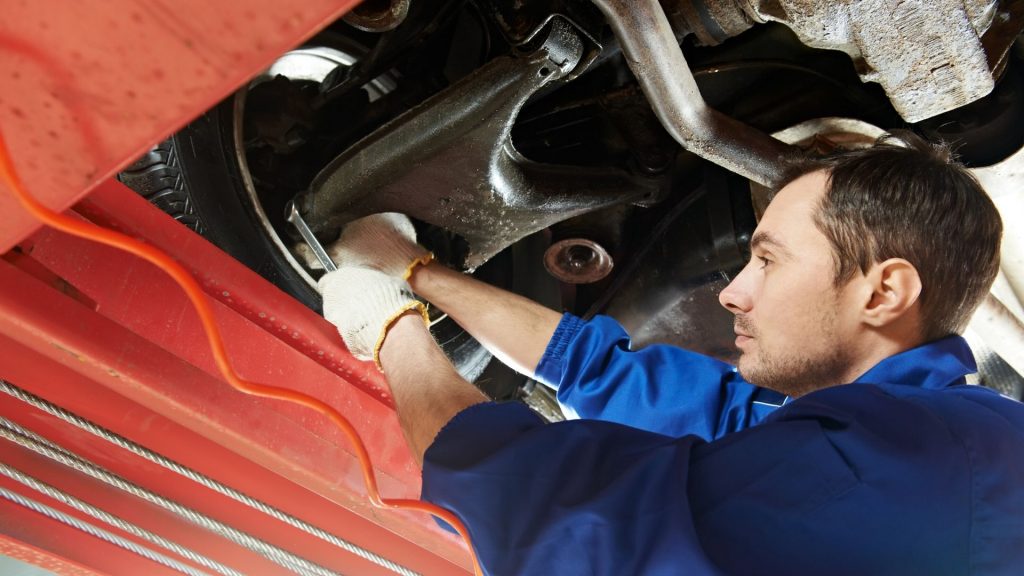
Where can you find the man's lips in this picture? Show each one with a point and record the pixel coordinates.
(744, 330)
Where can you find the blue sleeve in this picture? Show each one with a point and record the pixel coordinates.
(578, 497)
(827, 487)
(661, 389)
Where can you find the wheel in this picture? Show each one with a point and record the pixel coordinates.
(229, 174)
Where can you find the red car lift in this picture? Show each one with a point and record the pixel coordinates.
(122, 450)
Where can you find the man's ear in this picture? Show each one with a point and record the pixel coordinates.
(895, 287)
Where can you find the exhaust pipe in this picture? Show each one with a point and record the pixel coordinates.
(654, 56)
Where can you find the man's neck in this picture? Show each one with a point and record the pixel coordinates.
(875, 346)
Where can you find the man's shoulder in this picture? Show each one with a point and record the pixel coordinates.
(962, 399)
(960, 402)
(963, 415)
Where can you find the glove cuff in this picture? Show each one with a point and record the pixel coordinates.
(414, 305)
(363, 303)
(421, 260)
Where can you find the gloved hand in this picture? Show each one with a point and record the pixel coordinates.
(363, 303)
(385, 242)
(368, 292)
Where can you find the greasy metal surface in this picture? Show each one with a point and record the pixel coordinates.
(819, 137)
(654, 56)
(450, 162)
(86, 87)
(668, 292)
(578, 261)
(523, 23)
(371, 17)
(927, 55)
(1006, 28)
(711, 26)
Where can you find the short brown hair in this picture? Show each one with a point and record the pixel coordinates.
(909, 198)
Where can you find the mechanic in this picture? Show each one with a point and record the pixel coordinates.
(845, 441)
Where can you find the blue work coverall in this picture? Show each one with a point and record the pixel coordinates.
(678, 466)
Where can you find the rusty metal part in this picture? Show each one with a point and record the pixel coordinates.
(712, 24)
(450, 162)
(818, 137)
(930, 57)
(591, 46)
(578, 261)
(1006, 28)
(521, 23)
(657, 61)
(378, 15)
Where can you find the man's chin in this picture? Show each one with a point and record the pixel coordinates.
(753, 372)
(744, 365)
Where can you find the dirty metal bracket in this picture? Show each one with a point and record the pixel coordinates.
(450, 161)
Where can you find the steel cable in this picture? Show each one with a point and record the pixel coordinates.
(156, 458)
(64, 498)
(198, 298)
(44, 447)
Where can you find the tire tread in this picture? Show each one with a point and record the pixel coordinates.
(157, 177)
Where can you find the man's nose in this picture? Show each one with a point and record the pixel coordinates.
(736, 296)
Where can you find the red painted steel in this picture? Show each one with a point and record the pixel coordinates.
(122, 416)
(246, 293)
(84, 88)
(23, 525)
(229, 468)
(138, 512)
(14, 548)
(87, 86)
(140, 363)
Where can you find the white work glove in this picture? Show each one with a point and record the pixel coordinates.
(363, 303)
(385, 242)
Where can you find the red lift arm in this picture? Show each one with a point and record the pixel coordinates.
(86, 87)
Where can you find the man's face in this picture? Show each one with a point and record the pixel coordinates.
(793, 326)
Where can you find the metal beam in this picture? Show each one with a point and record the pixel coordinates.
(97, 325)
(88, 86)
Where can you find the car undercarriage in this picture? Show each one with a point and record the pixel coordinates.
(607, 157)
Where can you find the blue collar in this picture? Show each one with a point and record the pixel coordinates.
(934, 365)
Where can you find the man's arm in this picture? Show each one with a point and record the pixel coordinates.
(830, 486)
(428, 391)
(513, 328)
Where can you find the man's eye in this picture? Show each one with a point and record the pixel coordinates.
(764, 262)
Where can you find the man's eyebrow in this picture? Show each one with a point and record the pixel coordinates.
(766, 239)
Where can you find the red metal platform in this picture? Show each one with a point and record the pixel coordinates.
(84, 88)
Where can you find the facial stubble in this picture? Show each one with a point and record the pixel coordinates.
(792, 370)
